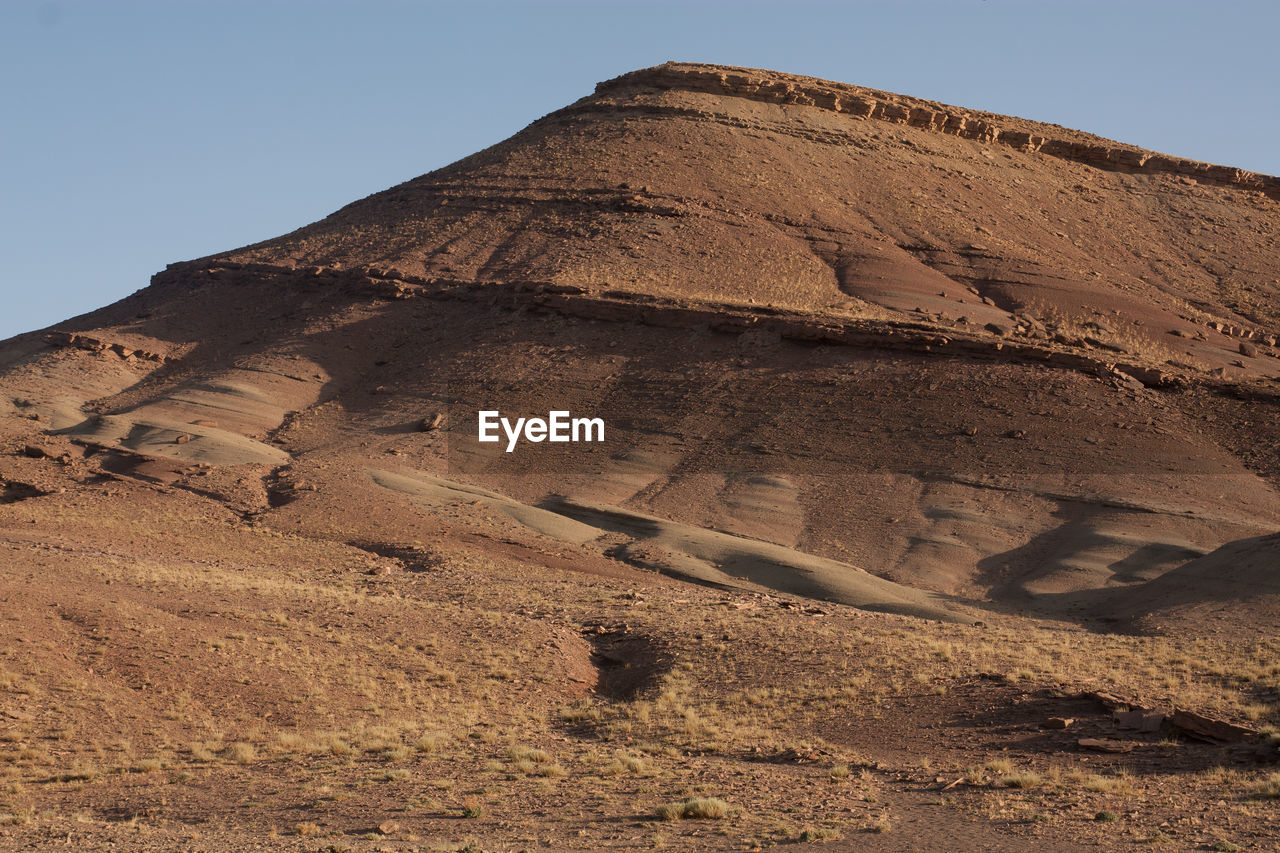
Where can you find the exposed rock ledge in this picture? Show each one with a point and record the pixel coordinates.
(92, 344)
(859, 102)
(623, 306)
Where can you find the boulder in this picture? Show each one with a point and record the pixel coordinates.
(1207, 729)
(1140, 720)
(1101, 744)
(1003, 330)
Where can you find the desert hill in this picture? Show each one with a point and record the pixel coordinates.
(904, 365)
(873, 298)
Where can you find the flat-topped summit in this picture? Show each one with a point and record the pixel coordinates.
(1022, 134)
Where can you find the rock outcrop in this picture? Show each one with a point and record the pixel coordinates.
(859, 102)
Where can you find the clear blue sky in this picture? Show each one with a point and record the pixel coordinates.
(133, 134)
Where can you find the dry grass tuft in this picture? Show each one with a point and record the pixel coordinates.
(1268, 788)
(1022, 780)
(529, 754)
(880, 825)
(432, 742)
(1099, 784)
(694, 808)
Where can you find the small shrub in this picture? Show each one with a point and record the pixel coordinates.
(472, 807)
(1106, 817)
